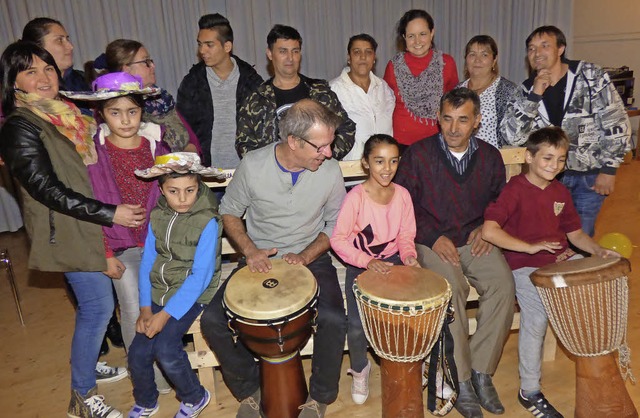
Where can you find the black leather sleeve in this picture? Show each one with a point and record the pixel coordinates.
(28, 161)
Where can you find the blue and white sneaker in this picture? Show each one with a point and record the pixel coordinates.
(140, 411)
(188, 410)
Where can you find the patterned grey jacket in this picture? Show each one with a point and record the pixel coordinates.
(594, 119)
(258, 121)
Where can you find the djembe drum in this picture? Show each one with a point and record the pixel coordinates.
(402, 314)
(273, 314)
(586, 301)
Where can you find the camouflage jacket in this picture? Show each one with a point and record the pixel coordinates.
(258, 121)
(594, 119)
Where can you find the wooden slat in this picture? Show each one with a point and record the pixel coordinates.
(352, 170)
(513, 155)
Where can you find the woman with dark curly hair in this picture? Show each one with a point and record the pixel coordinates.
(418, 76)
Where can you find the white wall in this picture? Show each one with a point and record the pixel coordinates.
(608, 33)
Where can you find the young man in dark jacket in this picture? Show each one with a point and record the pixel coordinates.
(210, 96)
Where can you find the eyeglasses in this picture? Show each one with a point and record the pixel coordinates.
(319, 150)
(148, 62)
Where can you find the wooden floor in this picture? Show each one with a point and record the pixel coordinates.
(34, 366)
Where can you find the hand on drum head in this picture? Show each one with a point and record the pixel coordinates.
(293, 258)
(606, 253)
(544, 246)
(258, 260)
(479, 246)
(411, 262)
(446, 250)
(379, 266)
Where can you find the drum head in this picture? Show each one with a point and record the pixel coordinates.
(403, 285)
(583, 271)
(285, 289)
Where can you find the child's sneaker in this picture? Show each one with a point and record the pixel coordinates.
(140, 411)
(106, 373)
(188, 410)
(443, 390)
(538, 405)
(90, 406)
(360, 384)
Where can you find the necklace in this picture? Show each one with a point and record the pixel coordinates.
(483, 88)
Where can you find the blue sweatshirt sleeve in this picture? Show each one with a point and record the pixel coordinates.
(204, 263)
(148, 258)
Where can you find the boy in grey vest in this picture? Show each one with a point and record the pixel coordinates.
(179, 274)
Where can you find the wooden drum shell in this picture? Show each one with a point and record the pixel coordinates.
(587, 304)
(402, 314)
(274, 314)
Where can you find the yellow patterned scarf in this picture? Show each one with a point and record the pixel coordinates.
(67, 119)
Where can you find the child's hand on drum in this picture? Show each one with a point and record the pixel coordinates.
(606, 253)
(379, 266)
(411, 262)
(544, 246)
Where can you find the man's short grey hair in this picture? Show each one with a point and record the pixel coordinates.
(303, 115)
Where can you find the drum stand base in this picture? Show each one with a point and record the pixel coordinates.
(600, 390)
(283, 387)
(401, 389)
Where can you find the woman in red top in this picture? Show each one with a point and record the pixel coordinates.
(419, 77)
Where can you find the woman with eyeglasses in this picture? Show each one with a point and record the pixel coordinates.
(418, 76)
(132, 57)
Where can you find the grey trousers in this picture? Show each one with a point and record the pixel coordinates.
(533, 326)
(491, 276)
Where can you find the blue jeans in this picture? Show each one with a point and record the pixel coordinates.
(166, 348)
(239, 368)
(355, 333)
(586, 201)
(94, 295)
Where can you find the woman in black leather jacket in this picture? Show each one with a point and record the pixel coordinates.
(47, 144)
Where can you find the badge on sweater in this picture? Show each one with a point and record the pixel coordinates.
(557, 208)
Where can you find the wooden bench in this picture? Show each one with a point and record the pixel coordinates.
(204, 360)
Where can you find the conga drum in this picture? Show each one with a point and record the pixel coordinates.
(402, 313)
(586, 301)
(274, 314)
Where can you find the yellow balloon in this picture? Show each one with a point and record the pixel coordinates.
(617, 242)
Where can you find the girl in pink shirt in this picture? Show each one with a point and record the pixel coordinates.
(376, 229)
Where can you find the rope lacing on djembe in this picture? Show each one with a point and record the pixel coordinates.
(391, 329)
(591, 320)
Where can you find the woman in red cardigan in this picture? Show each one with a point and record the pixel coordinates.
(419, 76)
